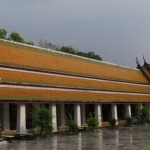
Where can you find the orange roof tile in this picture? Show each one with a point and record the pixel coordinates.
(8, 93)
(45, 79)
(13, 54)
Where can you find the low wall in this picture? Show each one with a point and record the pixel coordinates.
(60, 128)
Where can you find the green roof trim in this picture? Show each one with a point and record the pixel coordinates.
(33, 99)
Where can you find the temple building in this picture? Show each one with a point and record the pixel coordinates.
(60, 81)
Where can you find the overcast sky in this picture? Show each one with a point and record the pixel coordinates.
(117, 30)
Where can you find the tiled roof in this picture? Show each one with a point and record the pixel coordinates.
(50, 95)
(28, 57)
(37, 78)
(33, 74)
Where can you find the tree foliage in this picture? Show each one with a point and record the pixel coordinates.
(72, 125)
(48, 45)
(144, 112)
(68, 49)
(29, 43)
(112, 122)
(129, 119)
(92, 121)
(3, 33)
(43, 119)
(14, 36)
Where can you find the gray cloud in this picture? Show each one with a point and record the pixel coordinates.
(116, 30)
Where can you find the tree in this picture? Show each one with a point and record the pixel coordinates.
(68, 49)
(3, 33)
(29, 43)
(16, 37)
(48, 45)
(43, 119)
(93, 56)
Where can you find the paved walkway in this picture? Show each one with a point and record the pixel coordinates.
(125, 138)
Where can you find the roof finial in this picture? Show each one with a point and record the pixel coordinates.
(144, 59)
(137, 61)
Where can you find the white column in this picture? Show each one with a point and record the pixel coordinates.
(54, 116)
(128, 109)
(77, 114)
(21, 118)
(83, 118)
(114, 112)
(98, 113)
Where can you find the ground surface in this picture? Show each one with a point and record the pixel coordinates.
(125, 138)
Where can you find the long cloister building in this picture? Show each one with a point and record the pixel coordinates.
(32, 75)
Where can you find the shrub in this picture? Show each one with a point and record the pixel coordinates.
(43, 119)
(112, 122)
(72, 125)
(129, 120)
(144, 112)
(92, 121)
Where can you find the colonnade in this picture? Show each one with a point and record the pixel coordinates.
(59, 111)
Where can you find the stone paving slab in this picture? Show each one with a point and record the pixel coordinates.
(125, 138)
